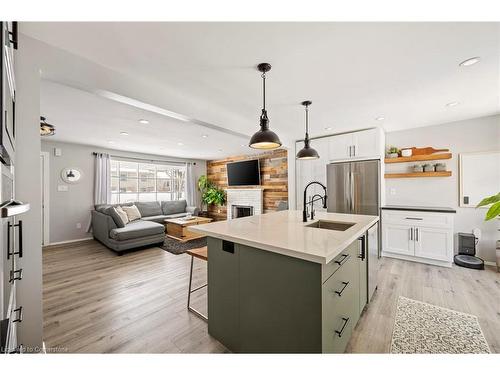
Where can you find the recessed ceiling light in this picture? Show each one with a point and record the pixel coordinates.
(204, 136)
(111, 142)
(452, 104)
(142, 121)
(180, 144)
(380, 118)
(123, 133)
(220, 149)
(471, 61)
(243, 145)
(328, 128)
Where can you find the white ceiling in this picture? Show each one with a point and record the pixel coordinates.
(352, 72)
(85, 118)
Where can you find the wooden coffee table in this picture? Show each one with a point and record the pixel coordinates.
(178, 229)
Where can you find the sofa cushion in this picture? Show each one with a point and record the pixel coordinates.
(161, 218)
(149, 208)
(137, 229)
(103, 207)
(173, 207)
(117, 217)
(132, 212)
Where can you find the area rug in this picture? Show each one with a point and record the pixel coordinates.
(176, 247)
(423, 328)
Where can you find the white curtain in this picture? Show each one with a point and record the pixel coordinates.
(190, 185)
(102, 181)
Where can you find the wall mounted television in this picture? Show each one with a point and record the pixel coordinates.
(243, 173)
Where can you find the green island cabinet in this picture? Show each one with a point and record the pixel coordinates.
(263, 302)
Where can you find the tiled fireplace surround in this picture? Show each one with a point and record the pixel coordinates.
(244, 197)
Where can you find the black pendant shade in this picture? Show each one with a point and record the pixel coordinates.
(264, 139)
(307, 153)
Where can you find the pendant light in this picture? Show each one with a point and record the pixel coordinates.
(307, 153)
(264, 138)
(45, 128)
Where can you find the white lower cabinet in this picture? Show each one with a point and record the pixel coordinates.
(425, 237)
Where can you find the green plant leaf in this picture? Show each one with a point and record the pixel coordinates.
(493, 211)
(489, 200)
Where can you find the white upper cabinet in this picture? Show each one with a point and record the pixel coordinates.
(363, 144)
(340, 146)
(367, 144)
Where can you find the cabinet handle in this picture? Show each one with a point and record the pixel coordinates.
(342, 261)
(339, 333)
(9, 225)
(416, 234)
(19, 312)
(362, 254)
(339, 292)
(13, 276)
(353, 150)
(414, 218)
(20, 237)
(411, 234)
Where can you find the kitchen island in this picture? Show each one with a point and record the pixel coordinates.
(278, 285)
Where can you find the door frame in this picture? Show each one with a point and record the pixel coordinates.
(45, 198)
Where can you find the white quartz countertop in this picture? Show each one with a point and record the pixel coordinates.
(283, 232)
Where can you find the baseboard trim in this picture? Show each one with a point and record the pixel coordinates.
(56, 244)
(410, 258)
(489, 263)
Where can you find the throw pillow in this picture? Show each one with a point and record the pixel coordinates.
(122, 214)
(132, 212)
(119, 220)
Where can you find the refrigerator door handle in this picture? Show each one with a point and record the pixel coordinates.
(351, 191)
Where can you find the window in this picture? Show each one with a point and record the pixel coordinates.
(143, 182)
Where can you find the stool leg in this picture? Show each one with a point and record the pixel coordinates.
(190, 281)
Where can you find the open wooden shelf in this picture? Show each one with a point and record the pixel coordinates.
(408, 159)
(418, 174)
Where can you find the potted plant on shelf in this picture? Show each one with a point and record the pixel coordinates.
(203, 185)
(492, 213)
(392, 152)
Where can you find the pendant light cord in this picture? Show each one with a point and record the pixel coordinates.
(264, 90)
(307, 121)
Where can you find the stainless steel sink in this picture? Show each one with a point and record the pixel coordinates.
(331, 225)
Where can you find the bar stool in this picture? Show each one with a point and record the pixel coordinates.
(200, 253)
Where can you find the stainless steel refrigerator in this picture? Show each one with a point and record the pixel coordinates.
(354, 188)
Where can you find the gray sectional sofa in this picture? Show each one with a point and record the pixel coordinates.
(148, 230)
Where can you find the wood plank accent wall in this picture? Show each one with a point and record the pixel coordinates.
(273, 175)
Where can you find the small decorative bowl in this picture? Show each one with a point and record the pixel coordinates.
(440, 167)
(418, 168)
(428, 168)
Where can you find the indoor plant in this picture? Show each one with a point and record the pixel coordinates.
(393, 152)
(493, 212)
(210, 193)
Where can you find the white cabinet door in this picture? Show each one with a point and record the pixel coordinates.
(433, 243)
(366, 143)
(397, 238)
(340, 146)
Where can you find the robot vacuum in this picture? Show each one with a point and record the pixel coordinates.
(466, 256)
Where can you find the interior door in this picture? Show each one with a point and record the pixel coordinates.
(365, 187)
(433, 243)
(398, 239)
(339, 187)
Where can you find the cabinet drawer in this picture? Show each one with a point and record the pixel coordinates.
(340, 260)
(416, 218)
(339, 296)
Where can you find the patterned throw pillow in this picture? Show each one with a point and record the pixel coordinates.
(132, 212)
(123, 214)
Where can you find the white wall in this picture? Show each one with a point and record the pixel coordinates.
(68, 208)
(27, 189)
(480, 134)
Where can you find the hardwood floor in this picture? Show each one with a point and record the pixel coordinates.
(97, 302)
